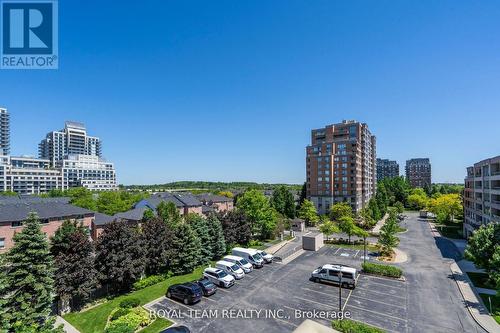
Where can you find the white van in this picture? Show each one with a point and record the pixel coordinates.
(249, 254)
(230, 268)
(242, 262)
(331, 273)
(218, 277)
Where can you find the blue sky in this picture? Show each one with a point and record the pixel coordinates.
(229, 90)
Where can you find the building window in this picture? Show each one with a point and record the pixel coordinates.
(16, 224)
(2, 243)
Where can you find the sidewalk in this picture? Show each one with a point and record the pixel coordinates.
(473, 302)
(68, 328)
(376, 228)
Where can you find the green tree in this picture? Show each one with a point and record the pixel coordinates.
(169, 213)
(29, 282)
(387, 238)
(328, 228)
(374, 209)
(260, 213)
(186, 247)
(482, 245)
(236, 227)
(308, 213)
(120, 256)
(75, 275)
(282, 200)
(157, 238)
(340, 210)
(417, 199)
(399, 206)
(4, 323)
(347, 225)
(303, 194)
(446, 207)
(216, 233)
(203, 233)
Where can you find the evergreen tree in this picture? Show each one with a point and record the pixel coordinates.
(202, 230)
(218, 243)
(236, 227)
(157, 239)
(3, 294)
(120, 256)
(303, 194)
(282, 200)
(29, 281)
(75, 276)
(186, 247)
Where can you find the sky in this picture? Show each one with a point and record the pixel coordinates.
(229, 90)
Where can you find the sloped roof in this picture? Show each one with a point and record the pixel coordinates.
(19, 211)
(102, 219)
(135, 214)
(209, 197)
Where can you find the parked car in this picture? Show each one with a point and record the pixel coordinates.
(268, 258)
(207, 287)
(177, 329)
(331, 273)
(231, 268)
(188, 293)
(249, 254)
(218, 277)
(242, 262)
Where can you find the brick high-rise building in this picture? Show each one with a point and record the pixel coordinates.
(341, 165)
(482, 195)
(418, 172)
(387, 169)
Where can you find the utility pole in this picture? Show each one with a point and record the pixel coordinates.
(340, 289)
(364, 245)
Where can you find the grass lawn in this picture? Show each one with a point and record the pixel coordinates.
(94, 320)
(480, 280)
(495, 303)
(369, 247)
(156, 326)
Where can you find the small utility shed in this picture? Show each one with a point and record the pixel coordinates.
(298, 225)
(312, 241)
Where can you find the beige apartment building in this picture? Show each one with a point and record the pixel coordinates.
(341, 165)
(482, 195)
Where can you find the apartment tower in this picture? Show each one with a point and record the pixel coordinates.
(387, 169)
(418, 172)
(341, 165)
(4, 132)
(482, 195)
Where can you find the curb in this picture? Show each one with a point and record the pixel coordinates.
(282, 245)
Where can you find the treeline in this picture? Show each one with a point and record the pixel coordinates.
(211, 186)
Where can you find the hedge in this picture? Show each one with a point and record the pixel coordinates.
(130, 302)
(383, 270)
(351, 326)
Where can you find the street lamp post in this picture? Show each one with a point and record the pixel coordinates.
(340, 289)
(364, 245)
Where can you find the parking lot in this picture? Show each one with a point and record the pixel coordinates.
(284, 293)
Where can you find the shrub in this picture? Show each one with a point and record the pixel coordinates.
(136, 318)
(254, 242)
(149, 281)
(351, 326)
(119, 312)
(383, 270)
(130, 302)
(119, 327)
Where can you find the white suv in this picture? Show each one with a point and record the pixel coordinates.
(218, 277)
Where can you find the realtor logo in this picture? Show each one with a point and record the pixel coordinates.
(29, 34)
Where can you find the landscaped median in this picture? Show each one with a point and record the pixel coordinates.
(94, 320)
(351, 326)
(382, 270)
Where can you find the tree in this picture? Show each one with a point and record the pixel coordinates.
(204, 234)
(186, 247)
(75, 276)
(216, 234)
(169, 213)
(483, 244)
(227, 194)
(82, 197)
(282, 200)
(29, 281)
(399, 206)
(446, 207)
(4, 323)
(376, 214)
(347, 225)
(120, 256)
(387, 238)
(236, 227)
(340, 210)
(260, 213)
(303, 194)
(148, 215)
(157, 238)
(328, 228)
(417, 199)
(308, 213)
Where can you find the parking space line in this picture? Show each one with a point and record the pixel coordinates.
(356, 253)
(385, 285)
(382, 328)
(350, 292)
(384, 279)
(380, 293)
(178, 303)
(286, 322)
(310, 301)
(337, 251)
(319, 292)
(378, 313)
(372, 300)
(209, 299)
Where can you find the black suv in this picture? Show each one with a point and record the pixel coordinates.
(207, 287)
(188, 293)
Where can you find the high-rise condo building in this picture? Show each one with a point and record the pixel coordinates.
(387, 169)
(89, 171)
(72, 140)
(4, 132)
(340, 165)
(482, 194)
(418, 172)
